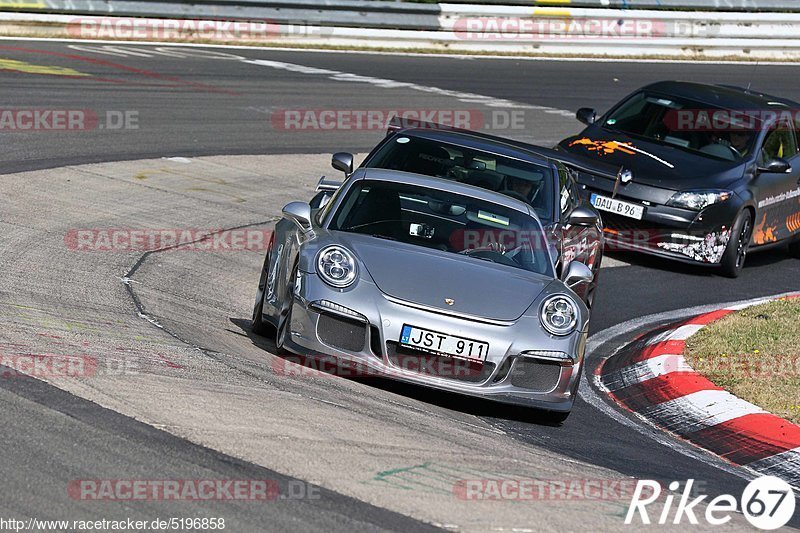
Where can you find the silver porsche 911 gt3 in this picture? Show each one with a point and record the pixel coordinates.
(428, 281)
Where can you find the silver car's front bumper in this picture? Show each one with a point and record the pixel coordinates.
(369, 343)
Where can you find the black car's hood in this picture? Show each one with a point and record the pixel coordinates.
(652, 163)
(428, 277)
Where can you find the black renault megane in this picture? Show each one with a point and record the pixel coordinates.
(712, 172)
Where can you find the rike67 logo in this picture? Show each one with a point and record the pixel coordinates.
(767, 503)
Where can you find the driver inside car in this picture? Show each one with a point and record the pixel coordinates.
(519, 188)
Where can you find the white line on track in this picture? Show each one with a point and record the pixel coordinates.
(413, 54)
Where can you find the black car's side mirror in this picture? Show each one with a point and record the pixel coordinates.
(343, 161)
(582, 216)
(300, 214)
(775, 166)
(587, 115)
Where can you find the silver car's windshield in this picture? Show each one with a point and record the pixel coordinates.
(445, 221)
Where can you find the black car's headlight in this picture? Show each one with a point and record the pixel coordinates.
(337, 266)
(698, 200)
(559, 315)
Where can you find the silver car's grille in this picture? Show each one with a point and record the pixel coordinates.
(438, 366)
(536, 376)
(341, 333)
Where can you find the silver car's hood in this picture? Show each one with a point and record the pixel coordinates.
(429, 277)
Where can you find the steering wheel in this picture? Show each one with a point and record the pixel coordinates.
(735, 151)
(491, 255)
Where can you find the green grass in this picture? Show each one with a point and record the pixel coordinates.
(754, 354)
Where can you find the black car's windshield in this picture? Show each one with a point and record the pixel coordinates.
(445, 221)
(693, 126)
(529, 182)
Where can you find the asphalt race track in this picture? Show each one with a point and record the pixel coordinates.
(206, 402)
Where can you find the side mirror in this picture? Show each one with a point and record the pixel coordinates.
(300, 214)
(775, 166)
(582, 216)
(343, 161)
(576, 274)
(587, 115)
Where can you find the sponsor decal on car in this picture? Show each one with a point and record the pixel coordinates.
(763, 234)
(611, 147)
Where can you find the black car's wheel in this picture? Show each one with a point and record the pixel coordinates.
(258, 326)
(736, 252)
(285, 317)
(794, 247)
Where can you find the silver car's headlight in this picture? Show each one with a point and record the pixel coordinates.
(337, 266)
(698, 200)
(559, 315)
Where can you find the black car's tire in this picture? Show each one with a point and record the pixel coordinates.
(794, 247)
(258, 326)
(736, 252)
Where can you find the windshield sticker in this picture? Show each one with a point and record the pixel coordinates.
(497, 219)
(610, 147)
(611, 121)
(402, 140)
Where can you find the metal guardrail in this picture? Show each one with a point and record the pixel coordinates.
(352, 13)
(689, 5)
(482, 28)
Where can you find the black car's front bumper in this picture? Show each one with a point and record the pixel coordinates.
(671, 232)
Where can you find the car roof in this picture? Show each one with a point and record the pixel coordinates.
(725, 96)
(420, 180)
(485, 142)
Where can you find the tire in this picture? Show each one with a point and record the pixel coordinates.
(257, 324)
(555, 417)
(285, 317)
(736, 251)
(794, 247)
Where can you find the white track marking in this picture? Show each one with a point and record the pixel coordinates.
(647, 370)
(461, 96)
(699, 410)
(680, 334)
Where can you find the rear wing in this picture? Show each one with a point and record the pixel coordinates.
(571, 161)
